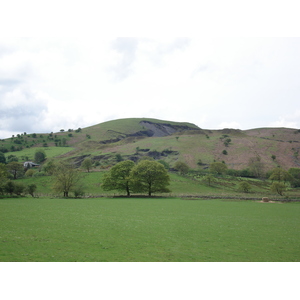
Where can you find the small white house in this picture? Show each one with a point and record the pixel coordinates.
(30, 164)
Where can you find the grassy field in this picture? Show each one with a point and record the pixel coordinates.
(141, 229)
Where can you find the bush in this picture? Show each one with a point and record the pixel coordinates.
(30, 189)
(244, 186)
(19, 188)
(8, 187)
(29, 173)
(278, 187)
(38, 174)
(181, 167)
(39, 156)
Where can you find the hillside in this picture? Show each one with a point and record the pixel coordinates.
(166, 140)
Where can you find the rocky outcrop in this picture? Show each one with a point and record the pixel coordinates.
(159, 129)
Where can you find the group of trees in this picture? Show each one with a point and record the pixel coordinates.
(146, 176)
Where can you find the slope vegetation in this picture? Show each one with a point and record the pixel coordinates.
(170, 141)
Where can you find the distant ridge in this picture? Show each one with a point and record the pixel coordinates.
(133, 138)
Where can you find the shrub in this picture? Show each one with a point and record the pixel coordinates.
(19, 188)
(278, 187)
(244, 186)
(29, 173)
(39, 156)
(30, 189)
(38, 174)
(181, 167)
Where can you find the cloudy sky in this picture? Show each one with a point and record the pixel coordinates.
(48, 84)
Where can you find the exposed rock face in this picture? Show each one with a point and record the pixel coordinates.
(159, 130)
(151, 129)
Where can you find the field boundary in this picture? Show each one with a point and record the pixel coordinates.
(193, 197)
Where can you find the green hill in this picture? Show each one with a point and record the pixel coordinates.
(170, 141)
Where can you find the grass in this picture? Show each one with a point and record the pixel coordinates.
(30, 152)
(166, 229)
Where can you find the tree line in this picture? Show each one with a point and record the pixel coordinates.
(146, 176)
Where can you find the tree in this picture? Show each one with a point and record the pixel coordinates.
(118, 178)
(3, 172)
(256, 166)
(3, 177)
(15, 168)
(66, 178)
(244, 186)
(218, 167)
(2, 158)
(119, 157)
(164, 163)
(295, 173)
(49, 167)
(278, 187)
(87, 164)
(11, 158)
(209, 179)
(181, 167)
(280, 175)
(151, 177)
(30, 189)
(227, 142)
(39, 156)
(9, 187)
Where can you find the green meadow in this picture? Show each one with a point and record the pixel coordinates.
(148, 229)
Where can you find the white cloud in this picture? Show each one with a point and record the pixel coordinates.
(289, 121)
(81, 82)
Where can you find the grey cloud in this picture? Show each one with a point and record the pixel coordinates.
(25, 113)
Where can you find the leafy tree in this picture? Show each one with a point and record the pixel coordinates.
(256, 166)
(181, 167)
(225, 152)
(218, 167)
(49, 167)
(119, 157)
(15, 168)
(3, 172)
(11, 158)
(227, 142)
(278, 187)
(295, 173)
(29, 173)
(9, 187)
(66, 178)
(2, 158)
(19, 188)
(209, 179)
(244, 186)
(150, 177)
(39, 156)
(280, 175)
(87, 164)
(3, 177)
(164, 163)
(118, 178)
(30, 189)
